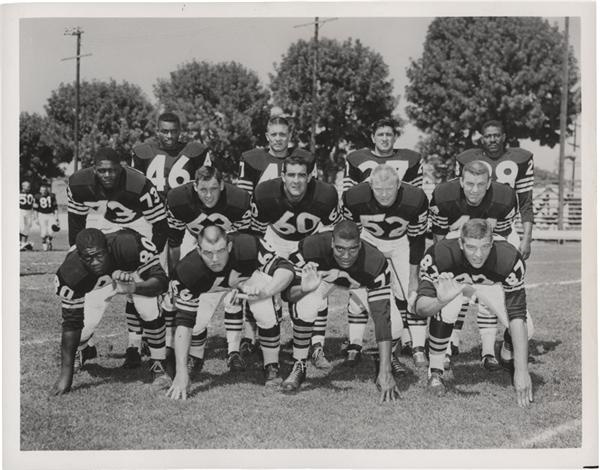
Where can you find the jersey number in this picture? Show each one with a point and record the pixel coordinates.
(372, 224)
(505, 172)
(45, 202)
(305, 223)
(177, 175)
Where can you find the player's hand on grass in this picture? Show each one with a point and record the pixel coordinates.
(387, 386)
(180, 388)
(447, 287)
(311, 278)
(62, 385)
(523, 387)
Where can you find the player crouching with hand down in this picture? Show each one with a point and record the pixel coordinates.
(474, 265)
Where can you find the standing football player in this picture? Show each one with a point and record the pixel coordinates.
(121, 197)
(222, 266)
(340, 258)
(47, 214)
(96, 268)
(393, 217)
(26, 202)
(289, 208)
(475, 265)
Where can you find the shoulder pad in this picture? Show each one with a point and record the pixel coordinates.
(374, 259)
(412, 195)
(359, 155)
(309, 157)
(468, 155)
(506, 256)
(134, 180)
(254, 156)
(410, 155)
(324, 192)
(83, 177)
(73, 271)
(503, 192)
(237, 197)
(358, 194)
(245, 246)
(146, 150)
(179, 196)
(194, 149)
(268, 189)
(447, 191)
(518, 154)
(316, 245)
(191, 269)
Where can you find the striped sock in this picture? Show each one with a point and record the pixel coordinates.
(487, 323)
(439, 335)
(134, 325)
(319, 327)
(155, 336)
(269, 343)
(198, 344)
(234, 320)
(302, 335)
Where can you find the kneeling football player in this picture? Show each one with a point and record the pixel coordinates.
(98, 267)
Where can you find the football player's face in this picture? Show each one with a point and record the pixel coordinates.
(345, 252)
(215, 255)
(493, 140)
(168, 134)
(44, 190)
(385, 191)
(384, 139)
(278, 136)
(96, 259)
(209, 192)
(108, 172)
(475, 187)
(476, 250)
(295, 181)
(26, 187)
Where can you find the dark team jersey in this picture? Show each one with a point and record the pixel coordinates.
(514, 168)
(192, 277)
(26, 201)
(232, 211)
(504, 266)
(406, 216)
(134, 196)
(360, 163)
(128, 251)
(294, 221)
(371, 270)
(45, 204)
(168, 169)
(258, 165)
(448, 204)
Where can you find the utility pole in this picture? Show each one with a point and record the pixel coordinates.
(563, 127)
(76, 32)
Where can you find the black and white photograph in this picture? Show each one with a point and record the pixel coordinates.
(315, 235)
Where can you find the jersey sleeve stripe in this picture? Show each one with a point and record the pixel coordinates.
(245, 185)
(154, 261)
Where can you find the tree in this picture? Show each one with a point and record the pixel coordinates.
(36, 159)
(353, 91)
(474, 69)
(223, 103)
(111, 113)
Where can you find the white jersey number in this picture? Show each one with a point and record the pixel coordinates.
(177, 176)
(304, 223)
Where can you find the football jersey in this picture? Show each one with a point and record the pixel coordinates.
(192, 277)
(258, 165)
(26, 201)
(133, 196)
(448, 204)
(128, 251)
(169, 168)
(514, 168)
(504, 266)
(45, 204)
(406, 216)
(294, 220)
(360, 163)
(185, 209)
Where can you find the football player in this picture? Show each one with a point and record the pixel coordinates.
(121, 197)
(166, 161)
(96, 268)
(26, 202)
(475, 265)
(206, 201)
(340, 258)
(47, 214)
(222, 266)
(393, 217)
(473, 195)
(511, 166)
(289, 208)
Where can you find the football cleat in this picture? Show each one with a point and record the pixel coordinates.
(318, 358)
(454, 349)
(160, 378)
(406, 349)
(82, 356)
(194, 366)
(490, 363)
(133, 360)
(144, 348)
(293, 381)
(235, 362)
(353, 355)
(247, 348)
(272, 378)
(435, 383)
(398, 368)
(419, 357)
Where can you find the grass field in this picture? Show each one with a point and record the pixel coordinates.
(110, 408)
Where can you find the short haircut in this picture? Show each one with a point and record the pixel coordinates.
(383, 172)
(477, 229)
(90, 238)
(44, 183)
(169, 117)
(492, 123)
(346, 230)
(385, 122)
(107, 154)
(295, 160)
(206, 173)
(476, 167)
(212, 234)
(278, 120)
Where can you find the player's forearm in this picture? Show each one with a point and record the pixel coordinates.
(527, 232)
(413, 277)
(69, 342)
(173, 255)
(429, 306)
(183, 340)
(518, 333)
(160, 232)
(385, 356)
(416, 249)
(281, 279)
(76, 224)
(151, 287)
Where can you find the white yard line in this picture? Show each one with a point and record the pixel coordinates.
(557, 262)
(557, 283)
(550, 433)
(56, 339)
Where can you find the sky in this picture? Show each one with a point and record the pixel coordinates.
(141, 51)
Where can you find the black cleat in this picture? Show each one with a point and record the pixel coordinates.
(293, 381)
(194, 367)
(160, 378)
(435, 383)
(235, 362)
(272, 378)
(133, 360)
(318, 358)
(170, 362)
(353, 355)
(82, 356)
(398, 368)
(406, 349)
(490, 363)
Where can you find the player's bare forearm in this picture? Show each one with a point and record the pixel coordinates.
(281, 279)
(151, 287)
(183, 340)
(521, 378)
(69, 342)
(429, 306)
(385, 379)
(413, 278)
(525, 247)
(173, 255)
